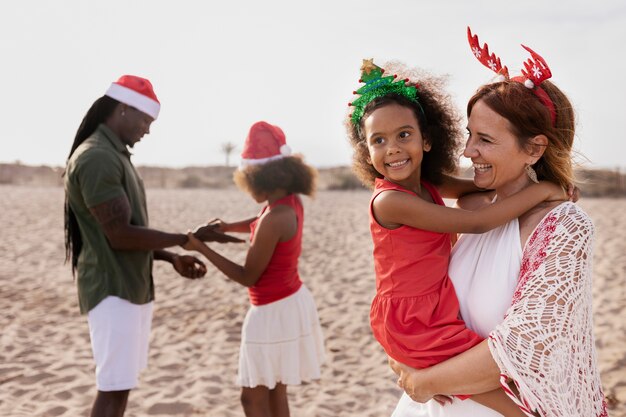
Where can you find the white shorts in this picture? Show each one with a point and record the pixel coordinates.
(120, 334)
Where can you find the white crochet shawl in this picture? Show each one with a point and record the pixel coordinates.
(545, 343)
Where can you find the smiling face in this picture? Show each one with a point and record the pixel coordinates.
(134, 125)
(499, 162)
(395, 144)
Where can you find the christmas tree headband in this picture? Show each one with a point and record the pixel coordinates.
(536, 71)
(378, 86)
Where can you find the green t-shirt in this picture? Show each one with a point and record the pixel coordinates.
(100, 170)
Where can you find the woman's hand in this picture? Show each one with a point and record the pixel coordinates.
(395, 366)
(413, 382)
(189, 266)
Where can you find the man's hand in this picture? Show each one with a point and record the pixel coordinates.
(189, 266)
(209, 233)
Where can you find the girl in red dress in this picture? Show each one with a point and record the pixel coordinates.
(405, 139)
(281, 337)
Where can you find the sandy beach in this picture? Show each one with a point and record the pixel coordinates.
(45, 359)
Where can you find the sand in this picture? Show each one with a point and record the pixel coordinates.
(45, 358)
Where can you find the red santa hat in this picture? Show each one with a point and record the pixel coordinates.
(136, 92)
(265, 142)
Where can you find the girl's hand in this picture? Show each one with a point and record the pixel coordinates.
(573, 193)
(193, 243)
(555, 192)
(220, 225)
(209, 233)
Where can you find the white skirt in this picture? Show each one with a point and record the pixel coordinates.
(281, 342)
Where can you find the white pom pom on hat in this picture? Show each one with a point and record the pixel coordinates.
(136, 92)
(264, 143)
(285, 150)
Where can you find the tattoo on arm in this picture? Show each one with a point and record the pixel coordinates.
(112, 214)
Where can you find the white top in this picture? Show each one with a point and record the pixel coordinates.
(484, 269)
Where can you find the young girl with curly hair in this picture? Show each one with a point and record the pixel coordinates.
(281, 337)
(405, 139)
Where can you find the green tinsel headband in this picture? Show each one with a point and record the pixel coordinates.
(378, 86)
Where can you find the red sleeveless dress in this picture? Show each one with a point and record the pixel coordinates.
(415, 313)
(280, 279)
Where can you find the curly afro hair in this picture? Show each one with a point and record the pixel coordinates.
(439, 124)
(289, 173)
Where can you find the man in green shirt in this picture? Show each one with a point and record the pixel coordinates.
(109, 241)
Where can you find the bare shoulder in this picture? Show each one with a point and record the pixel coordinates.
(281, 211)
(281, 220)
(391, 209)
(391, 202)
(391, 198)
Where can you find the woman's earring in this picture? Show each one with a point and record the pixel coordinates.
(531, 173)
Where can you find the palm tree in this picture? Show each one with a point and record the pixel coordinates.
(228, 148)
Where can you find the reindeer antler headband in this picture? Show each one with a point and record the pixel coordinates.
(535, 70)
(377, 86)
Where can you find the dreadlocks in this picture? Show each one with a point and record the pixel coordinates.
(99, 112)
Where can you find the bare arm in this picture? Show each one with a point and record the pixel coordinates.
(242, 226)
(163, 255)
(453, 187)
(273, 226)
(471, 372)
(114, 218)
(394, 208)
(475, 201)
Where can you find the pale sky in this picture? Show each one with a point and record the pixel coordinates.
(217, 67)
